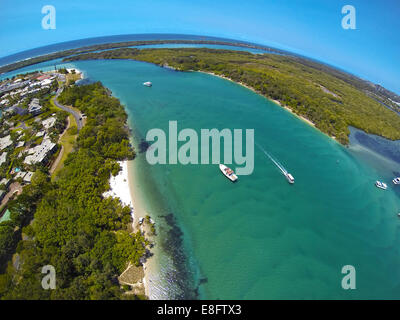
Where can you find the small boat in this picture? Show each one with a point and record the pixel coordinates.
(228, 172)
(289, 178)
(381, 185)
(147, 84)
(396, 180)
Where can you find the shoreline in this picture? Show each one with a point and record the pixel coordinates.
(149, 266)
(123, 187)
(126, 187)
(279, 103)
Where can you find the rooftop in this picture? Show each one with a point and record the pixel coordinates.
(5, 142)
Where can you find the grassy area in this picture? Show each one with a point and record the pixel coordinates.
(72, 77)
(67, 141)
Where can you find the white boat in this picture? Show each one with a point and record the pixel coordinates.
(289, 178)
(228, 172)
(147, 84)
(396, 180)
(381, 185)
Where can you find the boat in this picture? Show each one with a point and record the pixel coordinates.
(289, 178)
(147, 84)
(228, 172)
(396, 180)
(381, 185)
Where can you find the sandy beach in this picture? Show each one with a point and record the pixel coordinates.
(125, 187)
(150, 266)
(120, 187)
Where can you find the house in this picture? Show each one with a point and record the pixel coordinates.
(20, 144)
(17, 110)
(6, 182)
(4, 102)
(41, 153)
(49, 122)
(5, 142)
(3, 158)
(20, 174)
(45, 82)
(34, 107)
(28, 177)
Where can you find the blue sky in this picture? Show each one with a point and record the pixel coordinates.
(308, 27)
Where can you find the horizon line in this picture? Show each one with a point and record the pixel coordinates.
(210, 38)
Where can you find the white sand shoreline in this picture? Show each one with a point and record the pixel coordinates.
(119, 187)
(125, 187)
(150, 266)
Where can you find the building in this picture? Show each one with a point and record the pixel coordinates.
(41, 153)
(4, 102)
(20, 174)
(49, 122)
(6, 182)
(28, 177)
(34, 107)
(3, 158)
(20, 144)
(5, 142)
(17, 110)
(45, 82)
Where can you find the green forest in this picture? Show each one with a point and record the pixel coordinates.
(67, 223)
(330, 99)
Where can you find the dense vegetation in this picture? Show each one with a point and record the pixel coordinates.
(85, 236)
(319, 93)
(114, 45)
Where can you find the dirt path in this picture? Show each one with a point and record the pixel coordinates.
(14, 187)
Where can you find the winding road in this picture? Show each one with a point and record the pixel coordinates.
(77, 115)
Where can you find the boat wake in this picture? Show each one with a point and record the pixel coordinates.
(280, 167)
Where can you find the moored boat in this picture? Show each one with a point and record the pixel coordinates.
(381, 185)
(228, 172)
(396, 180)
(147, 84)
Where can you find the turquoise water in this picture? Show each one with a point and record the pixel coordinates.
(260, 238)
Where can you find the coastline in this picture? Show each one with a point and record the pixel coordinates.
(149, 266)
(124, 187)
(308, 121)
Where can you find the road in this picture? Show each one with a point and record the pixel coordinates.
(76, 115)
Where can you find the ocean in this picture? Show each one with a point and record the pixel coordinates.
(260, 238)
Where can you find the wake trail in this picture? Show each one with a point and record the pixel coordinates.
(280, 167)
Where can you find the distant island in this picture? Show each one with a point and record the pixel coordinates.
(330, 99)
